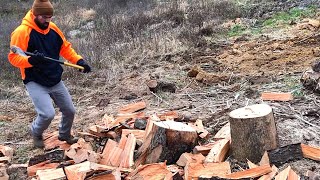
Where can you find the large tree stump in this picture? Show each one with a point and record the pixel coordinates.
(253, 132)
(166, 141)
(310, 79)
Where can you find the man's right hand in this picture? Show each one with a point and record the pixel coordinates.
(36, 59)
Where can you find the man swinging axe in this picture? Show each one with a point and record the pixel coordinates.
(42, 76)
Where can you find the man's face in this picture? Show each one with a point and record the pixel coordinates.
(43, 21)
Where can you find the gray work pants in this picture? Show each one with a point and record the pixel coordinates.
(42, 100)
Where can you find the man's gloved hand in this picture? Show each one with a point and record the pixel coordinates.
(82, 63)
(36, 59)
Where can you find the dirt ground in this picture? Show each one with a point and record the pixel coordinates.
(273, 62)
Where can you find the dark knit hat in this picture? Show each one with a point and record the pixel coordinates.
(42, 7)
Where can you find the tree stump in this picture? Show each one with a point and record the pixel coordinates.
(253, 132)
(310, 80)
(166, 141)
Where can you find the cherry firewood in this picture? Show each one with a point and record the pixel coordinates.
(195, 170)
(131, 108)
(138, 134)
(272, 96)
(7, 152)
(253, 131)
(108, 148)
(127, 154)
(271, 174)
(218, 151)
(310, 152)
(186, 158)
(223, 133)
(51, 141)
(41, 166)
(250, 173)
(287, 173)
(51, 174)
(203, 149)
(167, 141)
(150, 172)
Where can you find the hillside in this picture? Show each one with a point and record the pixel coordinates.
(246, 47)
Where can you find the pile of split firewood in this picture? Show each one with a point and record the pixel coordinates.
(138, 145)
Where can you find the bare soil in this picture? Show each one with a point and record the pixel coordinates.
(273, 62)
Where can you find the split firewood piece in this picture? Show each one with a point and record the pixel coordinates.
(43, 165)
(115, 157)
(102, 131)
(285, 154)
(131, 108)
(272, 96)
(51, 174)
(198, 126)
(3, 172)
(310, 152)
(265, 159)
(251, 164)
(250, 173)
(87, 134)
(51, 141)
(139, 134)
(150, 172)
(171, 115)
(82, 151)
(195, 170)
(114, 175)
(223, 133)
(167, 141)
(271, 174)
(157, 86)
(80, 171)
(287, 173)
(108, 149)
(177, 171)
(218, 151)
(203, 149)
(253, 131)
(4, 159)
(127, 154)
(108, 121)
(186, 158)
(121, 118)
(149, 127)
(7, 152)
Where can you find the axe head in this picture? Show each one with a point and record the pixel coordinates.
(17, 50)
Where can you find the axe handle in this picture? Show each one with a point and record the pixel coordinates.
(55, 60)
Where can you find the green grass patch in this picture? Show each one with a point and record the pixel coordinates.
(236, 30)
(292, 15)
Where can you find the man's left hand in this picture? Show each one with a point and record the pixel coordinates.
(82, 63)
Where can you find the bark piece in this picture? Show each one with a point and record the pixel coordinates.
(310, 152)
(186, 158)
(150, 172)
(195, 170)
(310, 80)
(107, 175)
(285, 154)
(167, 141)
(158, 86)
(272, 96)
(253, 131)
(56, 155)
(218, 151)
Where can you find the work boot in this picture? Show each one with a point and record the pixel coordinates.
(38, 142)
(69, 140)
